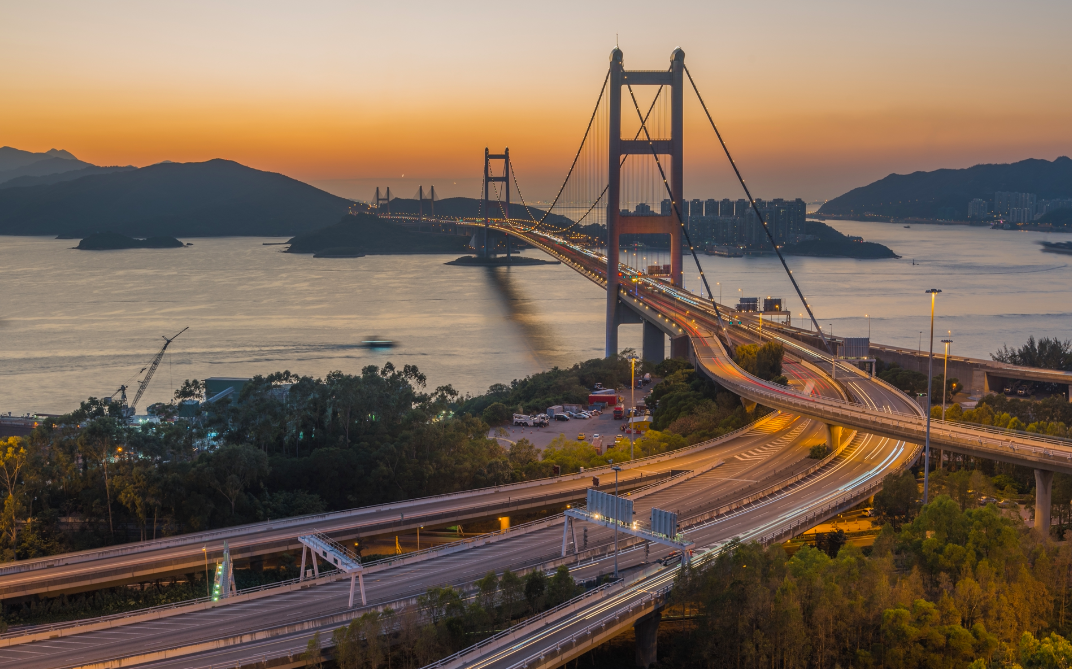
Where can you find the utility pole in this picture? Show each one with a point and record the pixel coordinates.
(933, 292)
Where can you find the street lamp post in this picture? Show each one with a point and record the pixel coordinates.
(933, 292)
(945, 384)
(208, 591)
(868, 317)
(945, 371)
(617, 512)
(632, 399)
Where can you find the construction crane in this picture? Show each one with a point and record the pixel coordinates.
(144, 383)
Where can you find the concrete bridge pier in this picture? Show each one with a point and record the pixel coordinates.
(833, 436)
(1043, 500)
(647, 634)
(654, 349)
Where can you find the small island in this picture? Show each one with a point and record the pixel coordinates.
(823, 241)
(364, 234)
(111, 241)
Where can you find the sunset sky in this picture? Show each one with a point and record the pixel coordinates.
(814, 98)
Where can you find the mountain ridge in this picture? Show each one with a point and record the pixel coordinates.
(15, 163)
(207, 199)
(937, 193)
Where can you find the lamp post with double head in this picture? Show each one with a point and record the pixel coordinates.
(933, 292)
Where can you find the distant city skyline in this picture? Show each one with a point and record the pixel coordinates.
(813, 99)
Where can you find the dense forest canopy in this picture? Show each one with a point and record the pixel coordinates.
(286, 445)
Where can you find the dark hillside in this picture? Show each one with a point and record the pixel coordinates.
(946, 193)
(56, 177)
(468, 207)
(371, 235)
(834, 244)
(213, 198)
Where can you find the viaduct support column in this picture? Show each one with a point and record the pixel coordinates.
(614, 182)
(833, 436)
(647, 634)
(654, 343)
(1043, 500)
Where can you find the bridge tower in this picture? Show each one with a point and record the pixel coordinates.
(619, 223)
(485, 252)
(385, 200)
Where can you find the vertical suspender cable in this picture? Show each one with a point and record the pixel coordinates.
(762, 220)
(677, 211)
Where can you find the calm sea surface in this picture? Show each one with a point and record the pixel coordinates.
(80, 323)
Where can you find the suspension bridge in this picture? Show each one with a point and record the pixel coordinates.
(756, 484)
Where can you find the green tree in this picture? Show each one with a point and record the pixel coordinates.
(13, 458)
(234, 468)
(897, 499)
(496, 414)
(1046, 353)
(535, 589)
(561, 587)
(511, 594)
(313, 656)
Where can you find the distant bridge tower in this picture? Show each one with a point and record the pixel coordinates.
(420, 206)
(618, 223)
(485, 251)
(385, 200)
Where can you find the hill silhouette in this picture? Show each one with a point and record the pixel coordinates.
(213, 198)
(15, 163)
(945, 193)
(56, 177)
(367, 234)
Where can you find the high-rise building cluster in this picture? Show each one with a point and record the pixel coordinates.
(734, 223)
(1015, 207)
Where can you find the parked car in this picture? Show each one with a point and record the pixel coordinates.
(581, 436)
(561, 417)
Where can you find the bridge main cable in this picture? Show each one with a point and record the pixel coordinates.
(762, 220)
(677, 211)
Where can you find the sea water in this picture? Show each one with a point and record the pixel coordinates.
(75, 324)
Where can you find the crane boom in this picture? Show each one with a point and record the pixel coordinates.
(144, 383)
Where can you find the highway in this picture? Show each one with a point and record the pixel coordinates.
(776, 447)
(145, 561)
(683, 313)
(769, 452)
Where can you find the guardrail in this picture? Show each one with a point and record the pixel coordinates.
(322, 518)
(511, 632)
(651, 599)
(955, 432)
(648, 600)
(45, 629)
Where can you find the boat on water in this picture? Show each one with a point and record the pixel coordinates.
(1057, 247)
(908, 226)
(376, 342)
